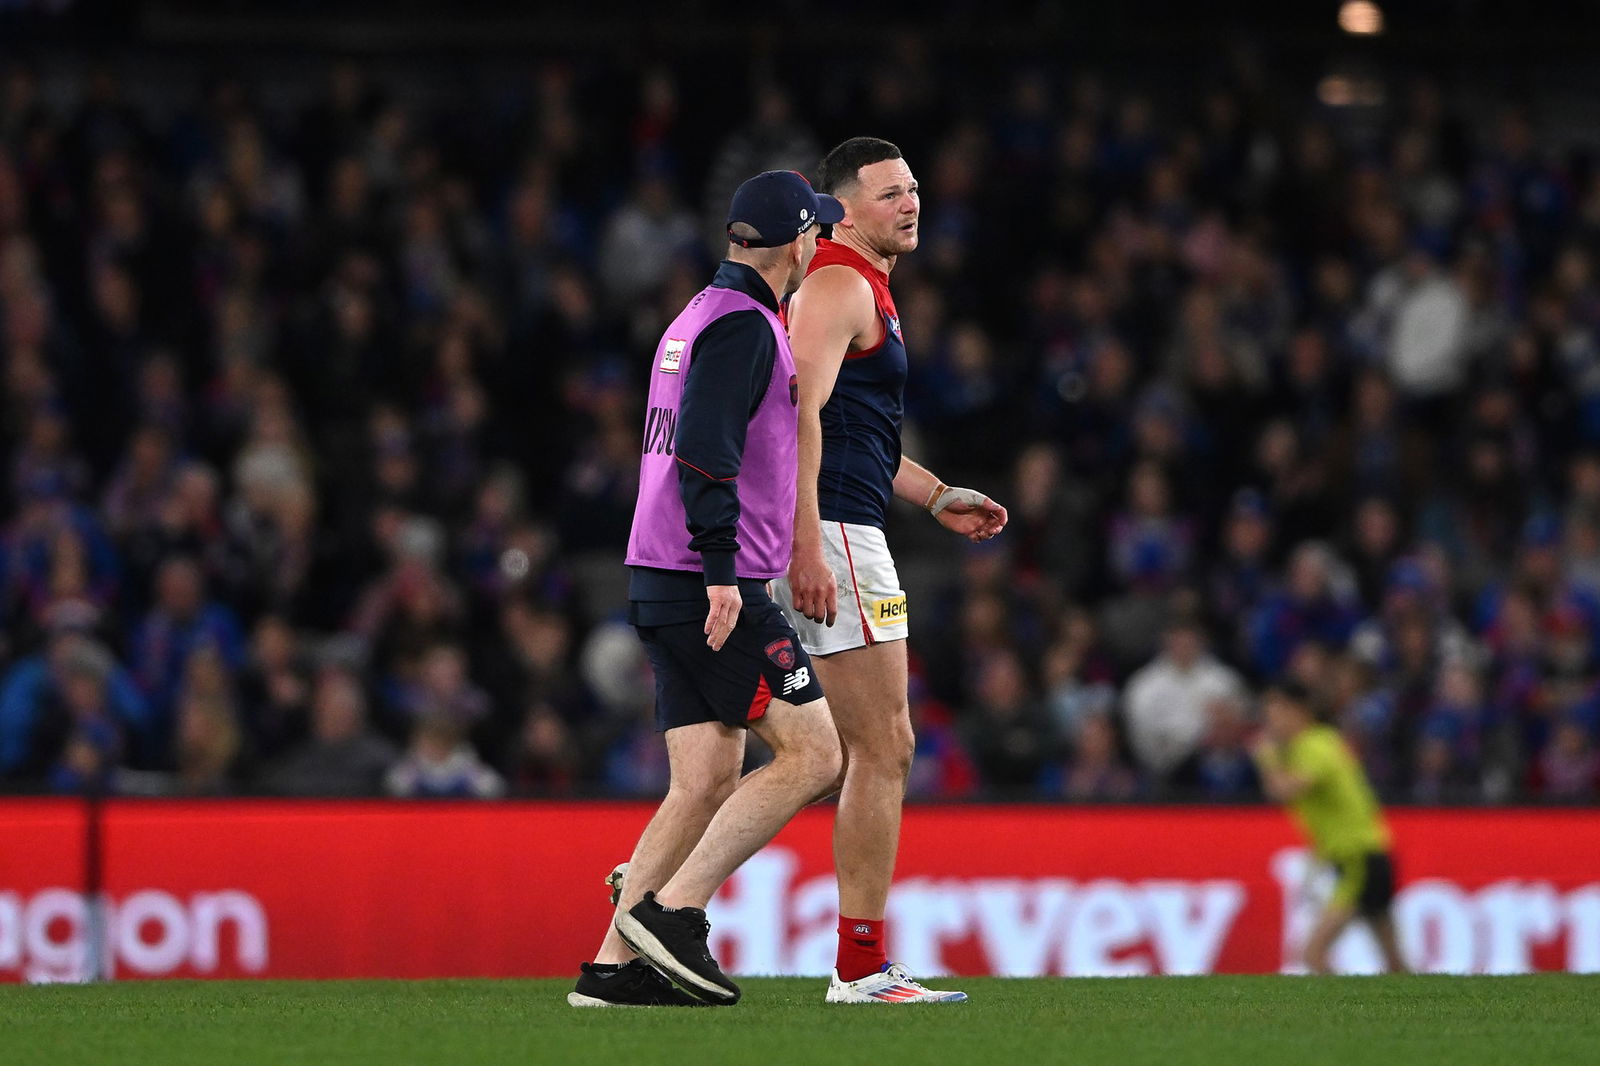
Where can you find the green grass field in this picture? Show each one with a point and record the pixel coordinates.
(1241, 1021)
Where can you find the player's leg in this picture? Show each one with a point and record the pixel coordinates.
(862, 663)
(705, 759)
(669, 928)
(874, 725)
(867, 693)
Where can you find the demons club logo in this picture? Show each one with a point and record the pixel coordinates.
(781, 652)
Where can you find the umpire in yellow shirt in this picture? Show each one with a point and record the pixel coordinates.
(1306, 765)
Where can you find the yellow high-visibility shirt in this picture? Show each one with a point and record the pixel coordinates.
(1338, 810)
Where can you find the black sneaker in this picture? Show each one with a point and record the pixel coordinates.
(675, 943)
(636, 984)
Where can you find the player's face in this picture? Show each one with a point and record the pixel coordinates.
(884, 206)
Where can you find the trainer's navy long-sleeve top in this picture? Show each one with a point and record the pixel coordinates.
(727, 379)
(728, 376)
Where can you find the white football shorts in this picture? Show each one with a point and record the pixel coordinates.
(872, 605)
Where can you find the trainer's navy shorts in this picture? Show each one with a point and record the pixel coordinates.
(761, 661)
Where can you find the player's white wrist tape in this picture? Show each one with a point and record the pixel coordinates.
(952, 495)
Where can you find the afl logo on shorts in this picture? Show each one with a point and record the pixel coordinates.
(782, 653)
(794, 390)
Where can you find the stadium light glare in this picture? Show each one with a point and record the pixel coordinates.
(1362, 18)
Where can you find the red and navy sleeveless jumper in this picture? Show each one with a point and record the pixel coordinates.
(861, 420)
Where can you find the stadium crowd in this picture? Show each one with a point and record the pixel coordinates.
(321, 411)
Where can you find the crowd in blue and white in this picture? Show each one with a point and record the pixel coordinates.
(322, 401)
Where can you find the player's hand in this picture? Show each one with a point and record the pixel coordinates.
(724, 614)
(811, 581)
(970, 513)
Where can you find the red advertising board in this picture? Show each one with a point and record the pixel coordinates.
(333, 889)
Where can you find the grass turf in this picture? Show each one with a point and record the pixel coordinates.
(1546, 1019)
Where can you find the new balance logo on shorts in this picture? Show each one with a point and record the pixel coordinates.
(796, 681)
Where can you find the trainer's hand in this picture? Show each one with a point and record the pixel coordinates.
(969, 513)
(724, 614)
(816, 593)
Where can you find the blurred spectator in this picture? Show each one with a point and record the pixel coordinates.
(642, 239)
(342, 756)
(635, 763)
(1222, 768)
(941, 767)
(1569, 768)
(440, 687)
(1168, 702)
(1313, 605)
(365, 357)
(45, 696)
(772, 139)
(1010, 736)
(92, 746)
(140, 484)
(547, 759)
(1048, 513)
(1427, 338)
(181, 620)
(1451, 736)
(439, 764)
(1095, 770)
(1149, 541)
(274, 688)
(1242, 575)
(209, 744)
(1077, 677)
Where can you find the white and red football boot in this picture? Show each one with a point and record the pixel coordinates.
(890, 985)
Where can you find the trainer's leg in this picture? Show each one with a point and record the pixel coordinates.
(1324, 933)
(805, 758)
(867, 693)
(705, 760)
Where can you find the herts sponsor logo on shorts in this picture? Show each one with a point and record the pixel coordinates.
(890, 612)
(672, 355)
(796, 681)
(781, 652)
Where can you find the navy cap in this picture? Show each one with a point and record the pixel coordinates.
(780, 205)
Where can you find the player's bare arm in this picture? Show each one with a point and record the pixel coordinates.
(967, 512)
(831, 315)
